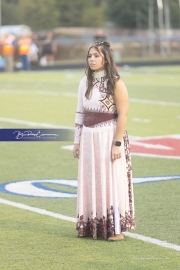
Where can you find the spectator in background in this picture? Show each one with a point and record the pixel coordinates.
(7, 51)
(34, 50)
(100, 36)
(49, 48)
(24, 45)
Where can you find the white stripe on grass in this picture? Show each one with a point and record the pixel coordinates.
(154, 156)
(37, 210)
(133, 141)
(38, 92)
(151, 145)
(38, 81)
(141, 120)
(59, 216)
(153, 84)
(154, 102)
(31, 124)
(70, 147)
(173, 136)
(153, 241)
(70, 94)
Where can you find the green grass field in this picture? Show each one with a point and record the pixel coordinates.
(30, 241)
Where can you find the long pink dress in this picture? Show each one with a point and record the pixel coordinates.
(105, 203)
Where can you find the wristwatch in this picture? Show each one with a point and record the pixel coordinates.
(117, 143)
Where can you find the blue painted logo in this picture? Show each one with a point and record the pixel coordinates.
(63, 188)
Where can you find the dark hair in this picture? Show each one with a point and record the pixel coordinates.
(110, 68)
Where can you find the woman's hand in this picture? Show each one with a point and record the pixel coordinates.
(115, 152)
(76, 151)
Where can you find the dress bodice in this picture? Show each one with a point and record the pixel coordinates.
(99, 101)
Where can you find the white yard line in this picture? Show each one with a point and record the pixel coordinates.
(154, 156)
(59, 216)
(151, 146)
(37, 81)
(70, 147)
(37, 210)
(70, 94)
(153, 241)
(175, 136)
(141, 120)
(31, 124)
(45, 125)
(67, 147)
(153, 84)
(158, 102)
(38, 92)
(29, 92)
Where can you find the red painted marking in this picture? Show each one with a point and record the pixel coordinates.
(174, 143)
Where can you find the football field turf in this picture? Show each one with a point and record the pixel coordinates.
(35, 240)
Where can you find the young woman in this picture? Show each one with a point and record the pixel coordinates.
(105, 204)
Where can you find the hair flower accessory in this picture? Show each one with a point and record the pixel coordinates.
(105, 43)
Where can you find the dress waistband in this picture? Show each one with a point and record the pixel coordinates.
(93, 118)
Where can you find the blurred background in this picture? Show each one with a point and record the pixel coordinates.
(61, 31)
(51, 38)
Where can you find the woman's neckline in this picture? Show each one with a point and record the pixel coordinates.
(99, 74)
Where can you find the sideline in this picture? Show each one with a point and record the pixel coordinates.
(59, 216)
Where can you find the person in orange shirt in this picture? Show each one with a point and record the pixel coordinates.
(7, 51)
(24, 45)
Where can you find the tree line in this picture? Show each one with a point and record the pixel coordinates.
(47, 14)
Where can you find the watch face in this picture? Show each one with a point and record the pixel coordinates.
(117, 143)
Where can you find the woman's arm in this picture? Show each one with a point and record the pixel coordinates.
(79, 119)
(121, 100)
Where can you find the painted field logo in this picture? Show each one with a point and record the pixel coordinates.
(61, 188)
(57, 188)
(160, 146)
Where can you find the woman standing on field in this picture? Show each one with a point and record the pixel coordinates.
(105, 204)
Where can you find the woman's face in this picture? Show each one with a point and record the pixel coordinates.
(96, 60)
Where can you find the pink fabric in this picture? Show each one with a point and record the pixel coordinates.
(105, 202)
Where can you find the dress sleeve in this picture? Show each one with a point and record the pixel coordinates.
(79, 119)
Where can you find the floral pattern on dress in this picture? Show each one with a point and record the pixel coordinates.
(107, 102)
(104, 227)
